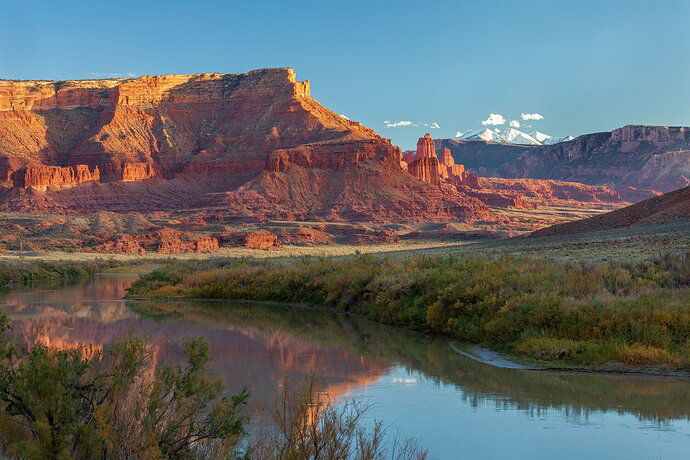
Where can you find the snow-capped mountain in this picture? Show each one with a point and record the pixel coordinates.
(545, 139)
(540, 137)
(488, 135)
(513, 136)
(557, 140)
(510, 136)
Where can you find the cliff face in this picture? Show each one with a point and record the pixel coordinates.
(644, 157)
(41, 177)
(425, 165)
(167, 121)
(256, 144)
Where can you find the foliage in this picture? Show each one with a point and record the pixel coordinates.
(50, 272)
(543, 309)
(86, 404)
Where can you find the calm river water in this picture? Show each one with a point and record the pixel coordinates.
(457, 408)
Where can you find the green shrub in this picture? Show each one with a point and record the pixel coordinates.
(507, 302)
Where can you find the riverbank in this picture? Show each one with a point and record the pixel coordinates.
(500, 361)
(545, 310)
(22, 272)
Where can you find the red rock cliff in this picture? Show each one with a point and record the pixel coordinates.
(256, 144)
(425, 166)
(40, 177)
(137, 171)
(167, 121)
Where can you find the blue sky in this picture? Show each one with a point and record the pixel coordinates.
(586, 66)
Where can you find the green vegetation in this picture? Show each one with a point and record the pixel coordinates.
(635, 313)
(122, 403)
(60, 404)
(19, 273)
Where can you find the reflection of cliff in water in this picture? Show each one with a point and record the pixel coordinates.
(575, 394)
(264, 347)
(104, 288)
(263, 360)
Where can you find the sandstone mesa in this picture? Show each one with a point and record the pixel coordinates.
(220, 149)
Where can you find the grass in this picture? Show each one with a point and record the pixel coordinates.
(635, 313)
(287, 251)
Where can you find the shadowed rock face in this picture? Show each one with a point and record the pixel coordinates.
(643, 157)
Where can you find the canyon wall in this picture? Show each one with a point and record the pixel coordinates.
(256, 144)
(167, 121)
(40, 177)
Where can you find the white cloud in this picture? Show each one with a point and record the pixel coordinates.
(494, 119)
(434, 125)
(532, 116)
(397, 124)
(514, 123)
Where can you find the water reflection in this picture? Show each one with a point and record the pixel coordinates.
(93, 315)
(575, 395)
(418, 383)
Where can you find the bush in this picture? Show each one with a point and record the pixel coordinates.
(50, 272)
(500, 302)
(84, 404)
(638, 354)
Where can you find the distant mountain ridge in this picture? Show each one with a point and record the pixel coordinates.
(510, 136)
(643, 157)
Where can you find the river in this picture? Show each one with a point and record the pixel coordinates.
(418, 386)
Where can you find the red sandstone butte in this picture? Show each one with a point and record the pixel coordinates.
(164, 241)
(425, 166)
(256, 145)
(260, 239)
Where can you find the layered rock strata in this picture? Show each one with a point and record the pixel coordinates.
(40, 177)
(256, 144)
(425, 165)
